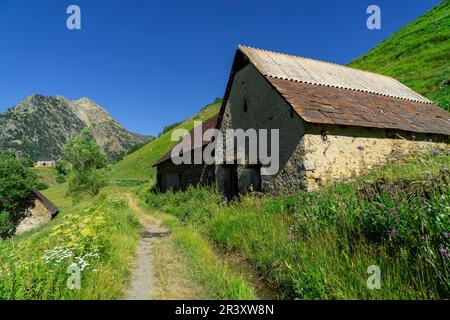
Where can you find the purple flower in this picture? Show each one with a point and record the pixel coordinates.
(446, 234)
(435, 152)
(391, 209)
(391, 215)
(393, 232)
(443, 251)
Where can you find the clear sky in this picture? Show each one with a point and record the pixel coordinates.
(153, 62)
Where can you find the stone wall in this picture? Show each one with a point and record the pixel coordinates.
(265, 109)
(310, 155)
(339, 152)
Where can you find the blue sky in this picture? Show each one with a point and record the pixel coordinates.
(151, 63)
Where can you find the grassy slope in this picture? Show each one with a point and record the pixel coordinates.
(101, 231)
(319, 245)
(418, 55)
(138, 166)
(46, 175)
(116, 236)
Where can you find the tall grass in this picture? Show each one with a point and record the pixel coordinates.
(215, 275)
(319, 245)
(100, 240)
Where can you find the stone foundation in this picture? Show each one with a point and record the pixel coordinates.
(335, 153)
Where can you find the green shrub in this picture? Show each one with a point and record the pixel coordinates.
(86, 159)
(16, 183)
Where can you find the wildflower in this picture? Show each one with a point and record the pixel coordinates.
(393, 232)
(391, 209)
(443, 251)
(435, 152)
(446, 234)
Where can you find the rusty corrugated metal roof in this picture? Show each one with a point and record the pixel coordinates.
(326, 93)
(329, 105)
(45, 202)
(288, 67)
(189, 140)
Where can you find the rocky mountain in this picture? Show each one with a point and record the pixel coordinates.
(40, 126)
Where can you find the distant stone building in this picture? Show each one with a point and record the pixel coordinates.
(45, 162)
(179, 177)
(39, 211)
(334, 123)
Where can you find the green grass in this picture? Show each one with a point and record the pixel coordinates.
(207, 268)
(137, 167)
(46, 175)
(102, 231)
(319, 245)
(418, 55)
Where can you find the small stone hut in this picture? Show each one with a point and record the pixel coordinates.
(45, 162)
(179, 177)
(334, 121)
(40, 210)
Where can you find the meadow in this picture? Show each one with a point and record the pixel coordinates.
(320, 245)
(96, 236)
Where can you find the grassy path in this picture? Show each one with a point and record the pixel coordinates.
(159, 272)
(142, 285)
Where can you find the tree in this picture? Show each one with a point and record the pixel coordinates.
(85, 159)
(16, 184)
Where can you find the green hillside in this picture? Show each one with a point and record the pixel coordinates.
(418, 55)
(137, 167)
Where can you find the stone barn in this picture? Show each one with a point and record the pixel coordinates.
(40, 210)
(179, 177)
(334, 121)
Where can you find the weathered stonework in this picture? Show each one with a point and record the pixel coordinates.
(265, 110)
(35, 217)
(179, 177)
(339, 153)
(310, 155)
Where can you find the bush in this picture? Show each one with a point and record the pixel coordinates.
(16, 183)
(88, 182)
(41, 186)
(85, 158)
(60, 178)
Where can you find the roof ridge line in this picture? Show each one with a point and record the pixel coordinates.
(317, 60)
(346, 88)
(428, 101)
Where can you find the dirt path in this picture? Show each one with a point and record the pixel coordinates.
(142, 285)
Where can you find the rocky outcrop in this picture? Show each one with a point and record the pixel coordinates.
(41, 125)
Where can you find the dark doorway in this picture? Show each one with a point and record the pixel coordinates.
(250, 179)
(230, 181)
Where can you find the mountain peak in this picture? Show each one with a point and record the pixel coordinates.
(41, 125)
